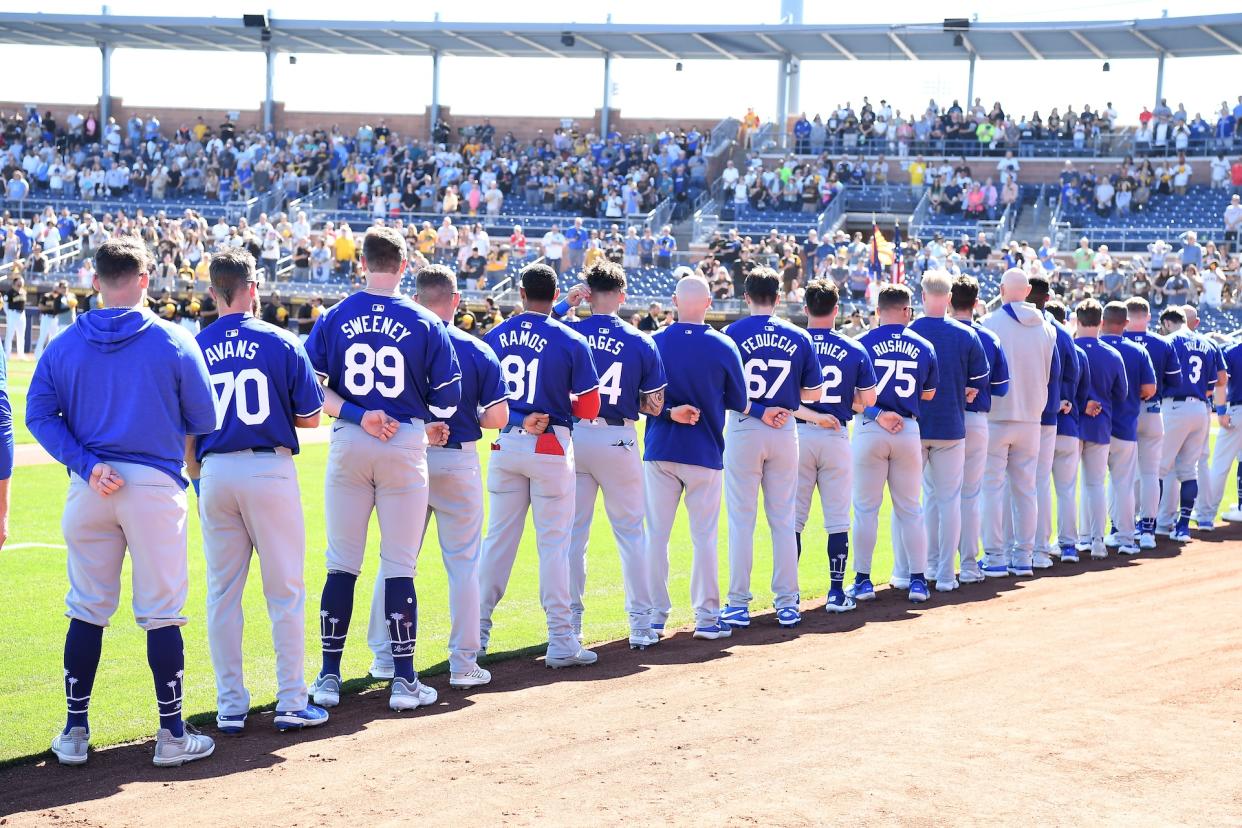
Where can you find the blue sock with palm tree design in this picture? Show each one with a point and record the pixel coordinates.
(83, 643)
(166, 656)
(401, 613)
(335, 609)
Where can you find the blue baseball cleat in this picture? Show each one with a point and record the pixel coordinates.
(713, 630)
(310, 716)
(861, 591)
(232, 723)
(735, 616)
(918, 590)
(1069, 553)
(838, 601)
(788, 617)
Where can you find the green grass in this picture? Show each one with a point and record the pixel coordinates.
(20, 372)
(32, 623)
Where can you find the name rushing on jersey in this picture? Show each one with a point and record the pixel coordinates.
(899, 345)
(375, 324)
(769, 339)
(231, 349)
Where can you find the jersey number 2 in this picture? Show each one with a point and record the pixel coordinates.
(235, 389)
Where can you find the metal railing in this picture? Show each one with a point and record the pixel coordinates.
(832, 215)
(722, 135)
(68, 251)
(660, 216)
(1115, 143)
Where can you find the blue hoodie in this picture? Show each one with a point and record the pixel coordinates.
(120, 385)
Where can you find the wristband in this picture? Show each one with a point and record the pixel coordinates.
(1222, 410)
(516, 418)
(351, 413)
(194, 482)
(872, 411)
(560, 308)
(757, 410)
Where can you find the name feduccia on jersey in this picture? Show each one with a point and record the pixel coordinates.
(768, 338)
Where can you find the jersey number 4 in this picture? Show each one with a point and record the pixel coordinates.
(246, 391)
(368, 369)
(903, 370)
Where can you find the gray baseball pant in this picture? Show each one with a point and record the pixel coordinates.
(1013, 455)
(664, 483)
(519, 480)
(1228, 448)
(942, 511)
(1122, 468)
(1065, 476)
(1185, 430)
(975, 457)
(1043, 488)
(896, 459)
(824, 462)
(250, 502)
(1093, 508)
(147, 516)
(607, 457)
(456, 500)
(1150, 443)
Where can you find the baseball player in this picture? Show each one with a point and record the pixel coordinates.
(964, 297)
(248, 491)
(684, 452)
(1109, 388)
(1060, 397)
(1229, 437)
(823, 432)
(455, 496)
(1068, 452)
(113, 401)
(887, 446)
(1014, 426)
(1150, 424)
(547, 369)
(761, 449)
(1186, 422)
(631, 381)
(6, 447)
(383, 359)
(1123, 447)
(1203, 520)
(963, 370)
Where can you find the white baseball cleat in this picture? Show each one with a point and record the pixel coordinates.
(971, 572)
(1128, 549)
(404, 695)
(1234, 515)
(1147, 541)
(582, 658)
(475, 678)
(71, 748)
(899, 583)
(1112, 540)
(1178, 536)
(1099, 552)
(642, 639)
(172, 751)
(946, 586)
(1041, 560)
(326, 691)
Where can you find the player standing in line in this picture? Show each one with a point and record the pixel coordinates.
(823, 433)
(113, 400)
(1030, 340)
(606, 453)
(545, 364)
(1109, 389)
(761, 447)
(1150, 423)
(383, 358)
(1229, 437)
(887, 447)
(1123, 448)
(963, 370)
(248, 491)
(1068, 454)
(1060, 400)
(1204, 521)
(455, 495)
(684, 452)
(1186, 422)
(965, 295)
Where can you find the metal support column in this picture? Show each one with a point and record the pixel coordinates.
(603, 116)
(970, 84)
(782, 101)
(792, 98)
(435, 93)
(270, 53)
(1159, 79)
(105, 99)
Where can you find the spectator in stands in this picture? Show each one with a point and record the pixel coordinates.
(650, 323)
(446, 241)
(576, 243)
(1191, 252)
(1211, 285)
(1233, 223)
(474, 270)
(1176, 288)
(321, 261)
(665, 247)
(980, 251)
(1083, 256)
(553, 246)
(1104, 193)
(308, 314)
(301, 259)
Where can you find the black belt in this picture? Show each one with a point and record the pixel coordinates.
(455, 446)
(1184, 399)
(255, 449)
(612, 421)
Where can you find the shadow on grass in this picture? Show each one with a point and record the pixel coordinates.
(38, 782)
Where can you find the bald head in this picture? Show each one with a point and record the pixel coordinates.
(1192, 316)
(692, 298)
(1014, 285)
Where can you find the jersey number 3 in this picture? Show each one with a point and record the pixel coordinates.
(246, 391)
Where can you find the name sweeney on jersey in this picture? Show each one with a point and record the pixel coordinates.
(231, 349)
(897, 345)
(523, 338)
(769, 340)
(375, 324)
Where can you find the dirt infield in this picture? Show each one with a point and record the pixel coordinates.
(1105, 693)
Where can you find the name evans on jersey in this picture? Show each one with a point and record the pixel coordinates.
(231, 349)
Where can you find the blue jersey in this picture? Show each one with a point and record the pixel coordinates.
(1108, 388)
(1163, 360)
(1064, 379)
(1139, 372)
(905, 365)
(1067, 423)
(998, 367)
(6, 422)
(1200, 361)
(704, 369)
(481, 385)
(778, 360)
(961, 363)
(845, 367)
(262, 379)
(627, 361)
(1233, 364)
(387, 353)
(542, 362)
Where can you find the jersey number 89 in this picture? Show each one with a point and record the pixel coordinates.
(235, 389)
(362, 365)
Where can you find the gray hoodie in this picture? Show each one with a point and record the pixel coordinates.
(1030, 343)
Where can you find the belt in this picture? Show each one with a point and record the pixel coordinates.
(1234, 402)
(1154, 408)
(450, 445)
(1184, 399)
(612, 421)
(256, 450)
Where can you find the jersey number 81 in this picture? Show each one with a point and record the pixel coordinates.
(368, 369)
(520, 378)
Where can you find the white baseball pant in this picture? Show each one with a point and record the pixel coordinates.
(1122, 467)
(1093, 507)
(664, 483)
(1185, 430)
(1150, 445)
(519, 480)
(147, 516)
(15, 331)
(896, 459)
(942, 511)
(976, 453)
(455, 498)
(607, 457)
(823, 462)
(250, 502)
(49, 326)
(1043, 488)
(1228, 448)
(1013, 455)
(1065, 477)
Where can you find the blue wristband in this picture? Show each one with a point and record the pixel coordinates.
(756, 410)
(1222, 410)
(351, 413)
(560, 308)
(194, 482)
(516, 418)
(872, 411)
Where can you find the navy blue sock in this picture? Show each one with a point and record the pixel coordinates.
(838, 552)
(401, 614)
(1190, 491)
(166, 655)
(1240, 482)
(335, 608)
(798, 538)
(83, 643)
(916, 576)
(860, 577)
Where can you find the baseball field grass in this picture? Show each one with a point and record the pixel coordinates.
(32, 622)
(20, 372)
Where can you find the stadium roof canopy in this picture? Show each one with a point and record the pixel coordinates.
(1104, 40)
